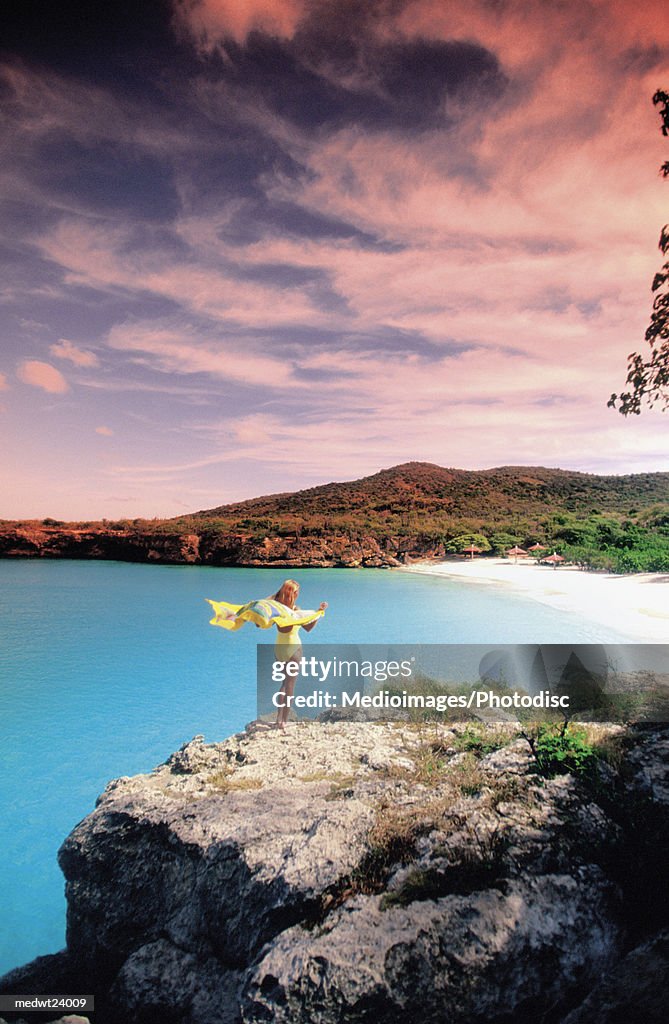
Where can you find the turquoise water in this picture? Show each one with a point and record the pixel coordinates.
(107, 667)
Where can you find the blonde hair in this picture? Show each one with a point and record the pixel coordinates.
(287, 593)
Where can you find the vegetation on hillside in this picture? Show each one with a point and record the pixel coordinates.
(616, 523)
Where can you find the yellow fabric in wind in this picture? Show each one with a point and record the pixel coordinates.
(264, 613)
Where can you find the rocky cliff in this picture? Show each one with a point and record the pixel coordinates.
(213, 548)
(356, 872)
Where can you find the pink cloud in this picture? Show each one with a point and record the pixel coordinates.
(105, 431)
(529, 36)
(540, 259)
(179, 351)
(211, 21)
(98, 257)
(404, 426)
(43, 375)
(65, 349)
(3, 382)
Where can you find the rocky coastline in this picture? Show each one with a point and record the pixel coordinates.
(353, 550)
(360, 872)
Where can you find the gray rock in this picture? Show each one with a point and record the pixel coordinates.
(635, 992)
(358, 872)
(195, 756)
(213, 868)
(649, 761)
(516, 758)
(161, 981)
(37, 976)
(481, 957)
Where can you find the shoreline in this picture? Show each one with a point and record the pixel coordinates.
(636, 606)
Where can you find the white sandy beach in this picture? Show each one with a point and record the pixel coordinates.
(637, 606)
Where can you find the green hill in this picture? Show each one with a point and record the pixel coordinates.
(411, 511)
(612, 522)
(421, 487)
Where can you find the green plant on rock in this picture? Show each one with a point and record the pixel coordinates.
(559, 750)
(480, 739)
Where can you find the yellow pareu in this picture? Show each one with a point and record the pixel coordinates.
(264, 613)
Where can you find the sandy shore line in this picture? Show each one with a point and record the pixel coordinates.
(636, 606)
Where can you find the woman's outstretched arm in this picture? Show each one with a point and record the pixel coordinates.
(310, 625)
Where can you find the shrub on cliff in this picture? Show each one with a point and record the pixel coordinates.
(559, 750)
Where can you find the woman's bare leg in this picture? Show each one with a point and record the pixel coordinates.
(287, 690)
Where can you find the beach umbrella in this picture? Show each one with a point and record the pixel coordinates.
(537, 547)
(554, 559)
(472, 550)
(515, 551)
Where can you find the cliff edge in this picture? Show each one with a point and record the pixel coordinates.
(362, 872)
(32, 540)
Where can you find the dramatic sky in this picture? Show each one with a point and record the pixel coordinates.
(254, 245)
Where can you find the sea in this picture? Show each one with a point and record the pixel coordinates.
(106, 668)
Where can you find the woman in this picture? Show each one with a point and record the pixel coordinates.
(288, 646)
